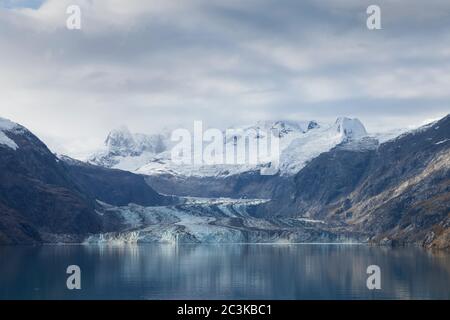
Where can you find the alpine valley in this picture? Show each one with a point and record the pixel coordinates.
(335, 183)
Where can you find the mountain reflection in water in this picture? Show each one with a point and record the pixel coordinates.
(230, 271)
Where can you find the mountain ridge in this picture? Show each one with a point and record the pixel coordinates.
(397, 193)
(300, 141)
(41, 195)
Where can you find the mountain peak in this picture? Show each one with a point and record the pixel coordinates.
(121, 142)
(6, 125)
(286, 126)
(351, 128)
(120, 138)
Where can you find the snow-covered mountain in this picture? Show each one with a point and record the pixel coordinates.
(127, 151)
(395, 192)
(300, 141)
(398, 193)
(8, 126)
(42, 195)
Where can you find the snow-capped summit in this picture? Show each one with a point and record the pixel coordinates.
(351, 129)
(300, 141)
(120, 141)
(5, 126)
(128, 151)
(285, 127)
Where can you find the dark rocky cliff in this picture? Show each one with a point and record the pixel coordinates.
(41, 194)
(37, 193)
(396, 193)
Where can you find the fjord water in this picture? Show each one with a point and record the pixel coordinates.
(223, 271)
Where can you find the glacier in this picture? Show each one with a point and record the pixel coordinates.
(207, 220)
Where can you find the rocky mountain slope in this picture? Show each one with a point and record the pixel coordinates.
(41, 195)
(359, 190)
(113, 186)
(398, 192)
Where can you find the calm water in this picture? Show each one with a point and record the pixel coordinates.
(223, 272)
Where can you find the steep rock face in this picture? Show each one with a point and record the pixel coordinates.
(41, 195)
(37, 192)
(327, 180)
(399, 192)
(14, 229)
(246, 185)
(112, 186)
(406, 198)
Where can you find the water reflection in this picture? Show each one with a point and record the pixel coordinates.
(223, 272)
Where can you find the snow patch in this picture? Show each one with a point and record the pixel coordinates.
(442, 141)
(350, 128)
(6, 125)
(4, 140)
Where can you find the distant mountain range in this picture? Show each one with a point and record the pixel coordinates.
(300, 141)
(336, 183)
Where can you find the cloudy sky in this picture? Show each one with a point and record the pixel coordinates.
(154, 64)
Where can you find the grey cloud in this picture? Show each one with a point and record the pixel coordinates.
(153, 64)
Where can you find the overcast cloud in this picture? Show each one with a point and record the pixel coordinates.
(155, 64)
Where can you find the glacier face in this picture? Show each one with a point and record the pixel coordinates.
(205, 220)
(300, 141)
